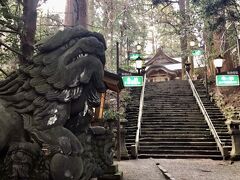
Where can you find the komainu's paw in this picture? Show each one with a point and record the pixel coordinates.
(64, 167)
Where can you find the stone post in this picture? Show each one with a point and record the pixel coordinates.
(112, 172)
(123, 150)
(234, 131)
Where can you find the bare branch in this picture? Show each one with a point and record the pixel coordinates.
(2, 3)
(8, 31)
(168, 4)
(11, 49)
(172, 25)
(1, 70)
(11, 27)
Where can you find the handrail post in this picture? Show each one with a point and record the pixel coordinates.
(134, 148)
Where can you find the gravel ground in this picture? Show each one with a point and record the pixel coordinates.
(200, 169)
(141, 169)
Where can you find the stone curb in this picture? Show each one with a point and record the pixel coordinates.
(165, 172)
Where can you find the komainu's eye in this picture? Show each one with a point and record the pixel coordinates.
(71, 43)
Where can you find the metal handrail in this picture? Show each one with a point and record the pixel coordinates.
(134, 148)
(207, 118)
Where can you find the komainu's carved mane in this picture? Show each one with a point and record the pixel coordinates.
(43, 81)
(45, 114)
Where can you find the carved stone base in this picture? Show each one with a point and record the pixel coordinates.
(112, 173)
(234, 131)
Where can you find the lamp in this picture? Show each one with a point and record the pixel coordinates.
(139, 64)
(218, 62)
(139, 47)
(192, 43)
(139, 60)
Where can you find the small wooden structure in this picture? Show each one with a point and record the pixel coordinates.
(157, 68)
(112, 82)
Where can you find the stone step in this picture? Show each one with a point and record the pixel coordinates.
(132, 122)
(177, 112)
(173, 102)
(183, 129)
(170, 108)
(132, 115)
(173, 123)
(132, 141)
(168, 98)
(131, 127)
(131, 118)
(181, 156)
(176, 126)
(130, 109)
(168, 115)
(188, 151)
(152, 117)
(176, 135)
(176, 139)
(211, 143)
(177, 147)
(172, 119)
(131, 132)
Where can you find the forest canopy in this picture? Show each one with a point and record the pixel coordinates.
(166, 24)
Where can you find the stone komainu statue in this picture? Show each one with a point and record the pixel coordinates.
(45, 111)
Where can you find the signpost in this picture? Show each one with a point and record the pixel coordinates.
(134, 56)
(227, 80)
(132, 81)
(197, 52)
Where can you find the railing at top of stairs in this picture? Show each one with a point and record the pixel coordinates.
(134, 147)
(220, 145)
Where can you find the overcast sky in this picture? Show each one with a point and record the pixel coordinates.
(54, 5)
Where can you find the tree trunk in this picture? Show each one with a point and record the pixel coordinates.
(183, 36)
(91, 14)
(29, 29)
(76, 13)
(83, 12)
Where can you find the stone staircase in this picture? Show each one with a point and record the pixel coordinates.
(173, 126)
(132, 117)
(215, 114)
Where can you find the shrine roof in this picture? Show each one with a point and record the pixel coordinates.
(161, 58)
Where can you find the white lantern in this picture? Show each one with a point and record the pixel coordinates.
(218, 62)
(139, 47)
(192, 43)
(139, 63)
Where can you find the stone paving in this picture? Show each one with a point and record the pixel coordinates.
(179, 169)
(200, 169)
(141, 169)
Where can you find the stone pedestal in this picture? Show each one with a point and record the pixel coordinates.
(124, 152)
(112, 173)
(234, 131)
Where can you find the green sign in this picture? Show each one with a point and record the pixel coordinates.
(227, 80)
(197, 52)
(134, 56)
(132, 81)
